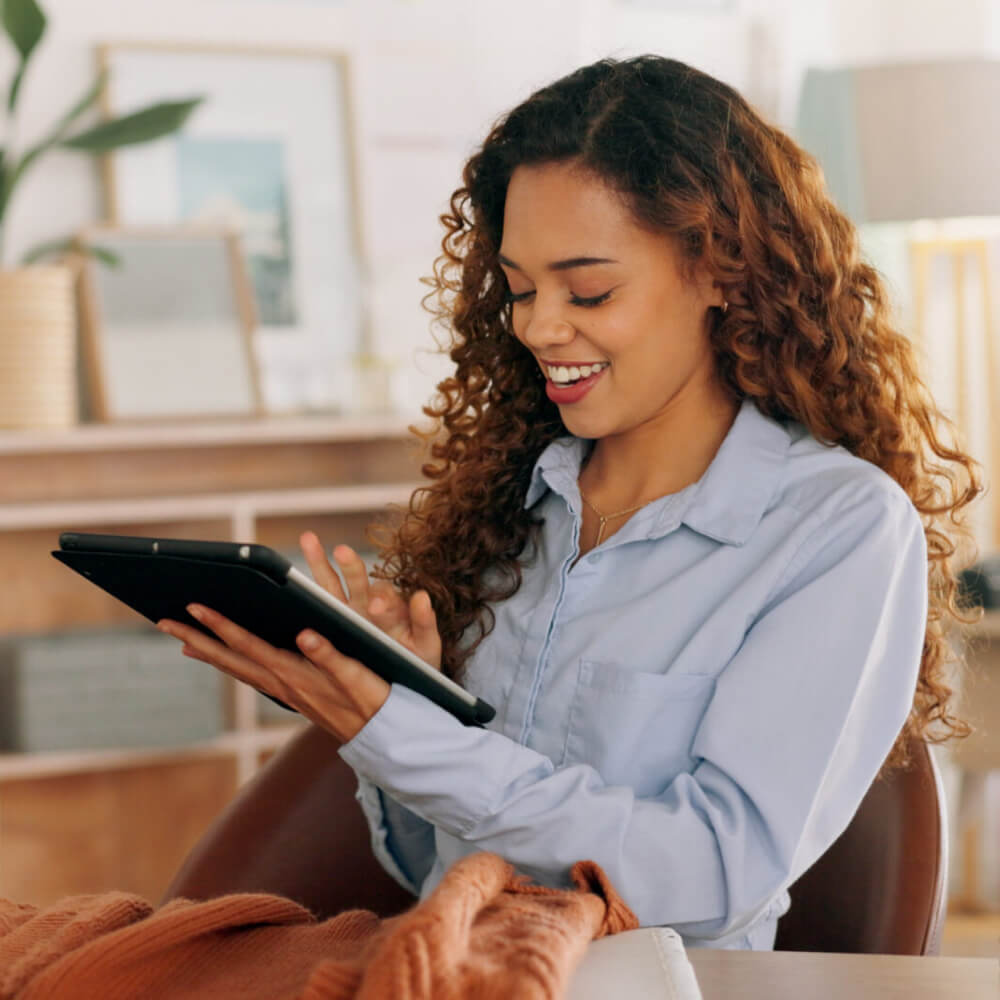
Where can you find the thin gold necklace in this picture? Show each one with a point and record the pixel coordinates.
(604, 518)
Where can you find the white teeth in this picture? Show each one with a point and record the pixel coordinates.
(565, 374)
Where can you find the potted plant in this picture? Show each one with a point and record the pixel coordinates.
(38, 356)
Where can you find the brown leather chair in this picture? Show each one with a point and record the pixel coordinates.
(881, 887)
(296, 830)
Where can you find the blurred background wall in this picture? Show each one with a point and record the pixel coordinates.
(430, 75)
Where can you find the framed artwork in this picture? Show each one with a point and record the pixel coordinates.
(270, 154)
(166, 332)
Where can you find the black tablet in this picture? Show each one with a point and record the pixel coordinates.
(258, 589)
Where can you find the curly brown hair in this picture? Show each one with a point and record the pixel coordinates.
(807, 335)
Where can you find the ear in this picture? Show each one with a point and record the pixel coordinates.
(710, 289)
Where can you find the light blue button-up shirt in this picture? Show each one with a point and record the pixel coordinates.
(699, 704)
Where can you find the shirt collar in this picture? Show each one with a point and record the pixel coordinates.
(727, 502)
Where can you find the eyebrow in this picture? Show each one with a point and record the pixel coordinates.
(561, 265)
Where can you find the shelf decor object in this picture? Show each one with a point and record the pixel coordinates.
(38, 363)
(916, 141)
(271, 156)
(88, 689)
(168, 331)
(38, 356)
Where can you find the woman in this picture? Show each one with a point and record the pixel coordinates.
(687, 528)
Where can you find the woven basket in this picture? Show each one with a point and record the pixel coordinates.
(38, 354)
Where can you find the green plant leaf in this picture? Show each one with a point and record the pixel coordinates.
(15, 86)
(141, 126)
(161, 124)
(24, 23)
(84, 104)
(70, 245)
(7, 183)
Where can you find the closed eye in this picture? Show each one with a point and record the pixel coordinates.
(589, 303)
(575, 300)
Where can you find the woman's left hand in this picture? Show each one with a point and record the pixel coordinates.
(336, 692)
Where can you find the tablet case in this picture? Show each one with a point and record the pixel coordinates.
(148, 575)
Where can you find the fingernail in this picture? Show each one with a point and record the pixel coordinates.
(164, 628)
(308, 640)
(196, 611)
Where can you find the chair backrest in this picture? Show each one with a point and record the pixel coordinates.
(297, 830)
(881, 887)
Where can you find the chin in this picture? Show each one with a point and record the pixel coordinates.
(583, 428)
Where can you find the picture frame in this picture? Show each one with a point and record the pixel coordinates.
(271, 153)
(166, 333)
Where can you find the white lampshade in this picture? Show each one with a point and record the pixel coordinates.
(906, 141)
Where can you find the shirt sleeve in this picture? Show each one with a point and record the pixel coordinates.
(402, 842)
(799, 724)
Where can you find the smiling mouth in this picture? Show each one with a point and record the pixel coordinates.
(563, 375)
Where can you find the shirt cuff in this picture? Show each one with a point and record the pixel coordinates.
(448, 774)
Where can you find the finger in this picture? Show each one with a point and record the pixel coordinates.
(387, 609)
(355, 575)
(358, 686)
(323, 573)
(317, 694)
(199, 646)
(423, 628)
(237, 638)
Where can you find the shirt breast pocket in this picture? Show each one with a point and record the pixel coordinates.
(635, 728)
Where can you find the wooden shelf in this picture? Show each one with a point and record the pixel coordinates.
(14, 766)
(187, 434)
(123, 818)
(207, 506)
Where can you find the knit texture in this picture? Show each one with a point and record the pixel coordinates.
(484, 933)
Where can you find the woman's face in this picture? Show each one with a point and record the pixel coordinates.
(620, 334)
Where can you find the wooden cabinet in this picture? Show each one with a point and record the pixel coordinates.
(87, 821)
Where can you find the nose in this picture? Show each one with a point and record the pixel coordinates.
(545, 325)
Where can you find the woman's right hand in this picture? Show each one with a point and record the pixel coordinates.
(411, 623)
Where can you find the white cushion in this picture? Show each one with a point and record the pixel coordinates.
(649, 963)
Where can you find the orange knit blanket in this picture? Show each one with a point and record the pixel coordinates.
(484, 933)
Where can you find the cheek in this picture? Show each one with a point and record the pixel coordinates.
(518, 323)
